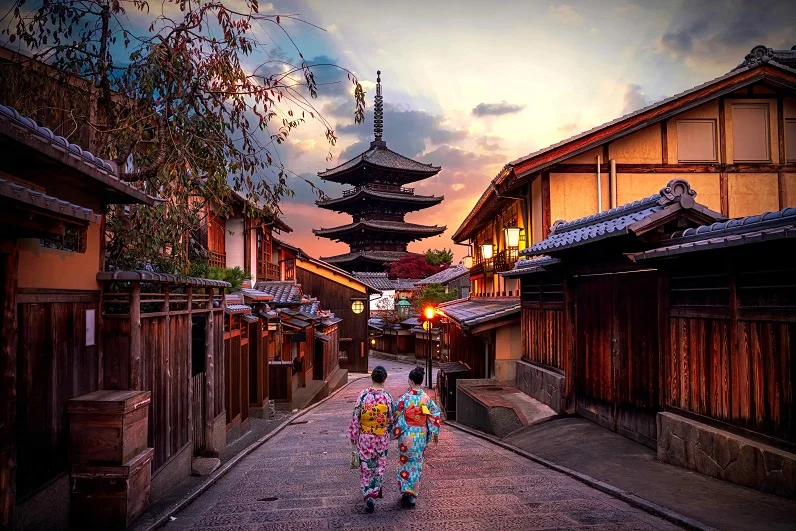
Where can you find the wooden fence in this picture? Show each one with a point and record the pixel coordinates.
(730, 354)
(150, 332)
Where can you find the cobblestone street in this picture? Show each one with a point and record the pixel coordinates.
(301, 479)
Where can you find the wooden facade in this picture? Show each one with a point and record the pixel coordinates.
(53, 196)
(338, 291)
(154, 342)
(638, 323)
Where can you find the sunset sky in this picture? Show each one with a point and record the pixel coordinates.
(470, 85)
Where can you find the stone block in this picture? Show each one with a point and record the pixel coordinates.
(725, 455)
(544, 385)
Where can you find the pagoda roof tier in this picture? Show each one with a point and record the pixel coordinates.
(365, 258)
(406, 231)
(379, 157)
(401, 199)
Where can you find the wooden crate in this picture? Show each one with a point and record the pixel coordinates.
(108, 427)
(110, 497)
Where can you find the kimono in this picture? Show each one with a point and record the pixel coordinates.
(369, 431)
(417, 420)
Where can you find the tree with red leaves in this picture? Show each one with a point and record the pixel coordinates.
(413, 266)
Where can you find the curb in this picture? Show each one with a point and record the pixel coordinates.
(223, 469)
(627, 497)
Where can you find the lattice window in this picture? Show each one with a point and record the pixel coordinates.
(72, 241)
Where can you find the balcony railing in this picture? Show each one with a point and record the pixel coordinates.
(506, 259)
(380, 188)
(215, 259)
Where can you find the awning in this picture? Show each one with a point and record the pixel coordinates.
(250, 318)
(323, 337)
(236, 309)
(296, 324)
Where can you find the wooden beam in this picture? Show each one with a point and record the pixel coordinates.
(724, 194)
(136, 364)
(8, 391)
(210, 377)
(167, 358)
(782, 189)
(546, 222)
(678, 168)
(781, 129)
(722, 133)
(664, 142)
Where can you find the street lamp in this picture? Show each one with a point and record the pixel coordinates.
(429, 313)
(403, 306)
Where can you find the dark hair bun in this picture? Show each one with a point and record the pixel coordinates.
(379, 374)
(417, 375)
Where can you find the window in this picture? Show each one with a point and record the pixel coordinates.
(750, 133)
(790, 139)
(696, 141)
(72, 241)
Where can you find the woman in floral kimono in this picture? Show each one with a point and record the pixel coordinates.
(416, 423)
(370, 434)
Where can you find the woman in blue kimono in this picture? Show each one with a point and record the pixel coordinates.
(417, 423)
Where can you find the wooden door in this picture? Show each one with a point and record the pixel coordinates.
(617, 353)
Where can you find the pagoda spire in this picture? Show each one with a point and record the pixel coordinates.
(378, 110)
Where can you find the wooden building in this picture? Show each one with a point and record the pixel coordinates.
(733, 137)
(378, 203)
(53, 196)
(664, 323)
(240, 239)
(346, 297)
(453, 279)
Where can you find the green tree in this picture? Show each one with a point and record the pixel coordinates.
(433, 294)
(192, 100)
(438, 257)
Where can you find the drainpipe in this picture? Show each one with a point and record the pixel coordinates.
(613, 183)
(599, 187)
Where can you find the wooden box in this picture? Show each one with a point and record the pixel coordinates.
(110, 496)
(108, 427)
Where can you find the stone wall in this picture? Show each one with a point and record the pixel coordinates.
(544, 385)
(726, 456)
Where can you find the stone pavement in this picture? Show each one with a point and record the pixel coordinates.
(301, 479)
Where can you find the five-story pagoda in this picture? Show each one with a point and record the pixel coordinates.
(378, 203)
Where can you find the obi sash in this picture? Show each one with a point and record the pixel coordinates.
(416, 416)
(373, 419)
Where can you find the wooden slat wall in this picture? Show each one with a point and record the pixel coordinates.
(543, 336)
(731, 352)
(469, 350)
(338, 299)
(54, 365)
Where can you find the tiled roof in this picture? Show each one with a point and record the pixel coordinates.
(761, 54)
(250, 318)
(375, 280)
(295, 323)
(37, 199)
(378, 155)
(237, 309)
(363, 193)
(741, 231)
(444, 276)
(322, 337)
(330, 321)
(471, 312)
(617, 221)
(371, 256)
(256, 295)
(159, 278)
(98, 168)
(390, 226)
(311, 309)
(535, 264)
(283, 292)
(405, 284)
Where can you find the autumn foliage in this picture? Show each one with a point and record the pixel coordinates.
(414, 266)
